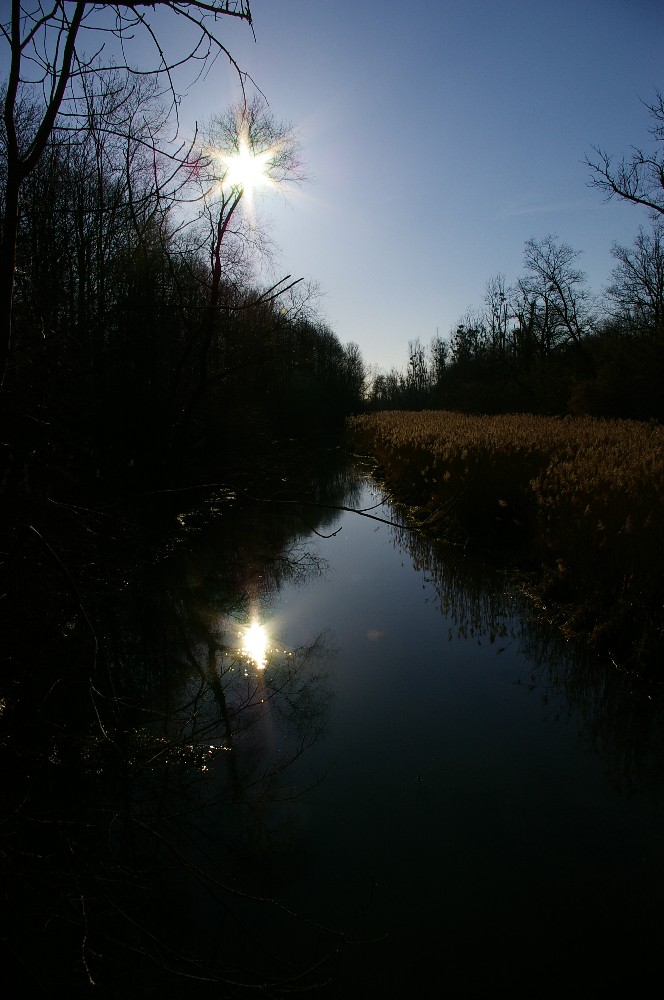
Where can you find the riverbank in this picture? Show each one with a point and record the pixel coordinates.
(576, 504)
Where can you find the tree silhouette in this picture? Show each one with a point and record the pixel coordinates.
(48, 66)
(638, 179)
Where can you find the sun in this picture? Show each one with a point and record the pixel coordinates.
(246, 170)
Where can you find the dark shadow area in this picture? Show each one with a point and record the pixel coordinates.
(150, 823)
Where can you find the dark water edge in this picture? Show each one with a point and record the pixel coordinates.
(163, 837)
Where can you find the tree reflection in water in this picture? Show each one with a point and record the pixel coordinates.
(156, 822)
(145, 851)
(622, 713)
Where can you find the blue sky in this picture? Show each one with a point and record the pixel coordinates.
(438, 138)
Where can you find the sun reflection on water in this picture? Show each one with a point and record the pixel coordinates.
(255, 645)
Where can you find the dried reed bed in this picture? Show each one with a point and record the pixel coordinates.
(587, 496)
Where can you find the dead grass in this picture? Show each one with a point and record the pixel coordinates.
(585, 495)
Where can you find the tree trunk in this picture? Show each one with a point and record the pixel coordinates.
(8, 267)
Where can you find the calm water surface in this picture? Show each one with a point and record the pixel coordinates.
(446, 788)
(348, 760)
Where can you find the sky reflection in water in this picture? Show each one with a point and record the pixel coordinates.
(353, 728)
(472, 776)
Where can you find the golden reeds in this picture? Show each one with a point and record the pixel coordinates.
(587, 494)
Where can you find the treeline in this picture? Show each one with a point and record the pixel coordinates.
(546, 345)
(142, 343)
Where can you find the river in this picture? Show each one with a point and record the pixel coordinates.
(351, 760)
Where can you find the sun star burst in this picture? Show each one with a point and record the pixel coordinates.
(245, 169)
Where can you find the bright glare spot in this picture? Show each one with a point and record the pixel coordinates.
(245, 169)
(255, 644)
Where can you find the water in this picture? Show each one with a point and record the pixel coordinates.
(479, 816)
(415, 788)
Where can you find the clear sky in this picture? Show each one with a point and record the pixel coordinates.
(439, 136)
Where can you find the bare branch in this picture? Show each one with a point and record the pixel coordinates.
(638, 179)
(46, 59)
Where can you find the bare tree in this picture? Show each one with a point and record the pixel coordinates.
(242, 149)
(639, 178)
(439, 350)
(470, 340)
(554, 295)
(496, 301)
(417, 373)
(637, 286)
(47, 59)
